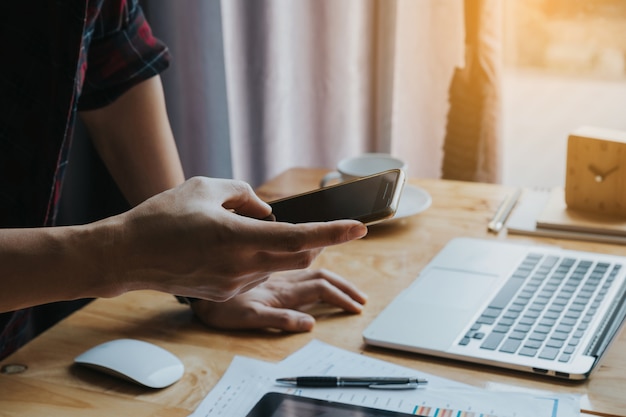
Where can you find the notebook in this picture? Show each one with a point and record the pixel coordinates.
(556, 215)
(534, 308)
(533, 205)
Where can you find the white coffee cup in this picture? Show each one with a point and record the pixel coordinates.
(362, 165)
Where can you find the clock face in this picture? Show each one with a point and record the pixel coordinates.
(596, 175)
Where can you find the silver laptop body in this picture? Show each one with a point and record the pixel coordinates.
(532, 308)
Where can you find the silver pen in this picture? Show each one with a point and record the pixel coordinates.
(367, 382)
(499, 218)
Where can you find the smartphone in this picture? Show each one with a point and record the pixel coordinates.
(370, 200)
(274, 404)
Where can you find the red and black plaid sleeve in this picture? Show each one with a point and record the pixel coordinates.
(122, 53)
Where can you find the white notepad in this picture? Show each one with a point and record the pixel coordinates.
(530, 207)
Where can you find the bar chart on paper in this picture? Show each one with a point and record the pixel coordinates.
(423, 410)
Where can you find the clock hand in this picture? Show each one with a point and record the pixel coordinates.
(599, 175)
(610, 171)
(595, 171)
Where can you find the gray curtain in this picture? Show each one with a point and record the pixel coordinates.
(260, 86)
(195, 85)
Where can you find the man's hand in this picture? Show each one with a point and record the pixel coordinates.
(274, 303)
(204, 239)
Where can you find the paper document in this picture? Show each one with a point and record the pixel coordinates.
(556, 215)
(531, 205)
(247, 380)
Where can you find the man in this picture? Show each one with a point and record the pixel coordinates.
(201, 238)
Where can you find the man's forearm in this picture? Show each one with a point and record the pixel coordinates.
(40, 265)
(134, 138)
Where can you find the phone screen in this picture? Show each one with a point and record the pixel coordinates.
(367, 199)
(276, 404)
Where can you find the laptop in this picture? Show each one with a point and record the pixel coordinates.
(531, 308)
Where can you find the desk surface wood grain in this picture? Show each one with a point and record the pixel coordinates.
(382, 264)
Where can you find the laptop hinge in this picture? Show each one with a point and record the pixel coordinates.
(610, 325)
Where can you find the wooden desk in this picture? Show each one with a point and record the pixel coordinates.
(382, 264)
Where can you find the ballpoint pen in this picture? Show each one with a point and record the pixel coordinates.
(497, 222)
(368, 382)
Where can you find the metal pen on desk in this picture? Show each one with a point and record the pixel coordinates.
(499, 218)
(346, 382)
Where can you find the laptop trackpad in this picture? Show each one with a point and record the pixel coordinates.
(439, 304)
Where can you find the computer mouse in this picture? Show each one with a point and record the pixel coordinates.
(134, 360)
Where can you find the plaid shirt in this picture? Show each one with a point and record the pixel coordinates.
(58, 57)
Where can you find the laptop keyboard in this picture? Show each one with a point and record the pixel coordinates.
(545, 307)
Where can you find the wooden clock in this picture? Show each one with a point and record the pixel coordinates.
(595, 179)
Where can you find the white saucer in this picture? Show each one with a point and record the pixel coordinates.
(414, 200)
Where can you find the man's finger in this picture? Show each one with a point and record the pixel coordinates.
(317, 290)
(282, 319)
(287, 237)
(338, 281)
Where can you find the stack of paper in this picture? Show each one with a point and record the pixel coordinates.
(247, 380)
(556, 215)
(543, 212)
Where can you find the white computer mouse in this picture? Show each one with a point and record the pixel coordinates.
(134, 360)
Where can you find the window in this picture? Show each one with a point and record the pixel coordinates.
(564, 67)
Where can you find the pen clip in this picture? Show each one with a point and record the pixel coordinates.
(410, 385)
